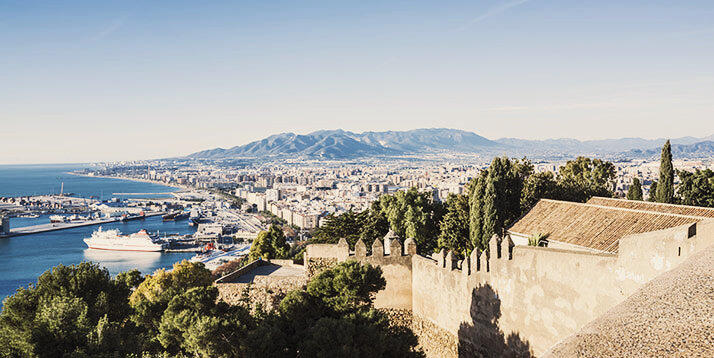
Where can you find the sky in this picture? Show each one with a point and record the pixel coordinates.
(85, 81)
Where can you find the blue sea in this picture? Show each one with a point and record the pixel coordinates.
(24, 258)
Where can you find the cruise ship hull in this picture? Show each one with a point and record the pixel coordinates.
(116, 247)
(111, 240)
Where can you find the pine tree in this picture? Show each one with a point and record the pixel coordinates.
(665, 187)
(635, 190)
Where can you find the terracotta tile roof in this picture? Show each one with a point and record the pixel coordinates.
(657, 207)
(594, 226)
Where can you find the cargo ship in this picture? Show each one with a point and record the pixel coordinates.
(128, 217)
(175, 216)
(113, 240)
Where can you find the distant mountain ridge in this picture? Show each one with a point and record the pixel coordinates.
(340, 144)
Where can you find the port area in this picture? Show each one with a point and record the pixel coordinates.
(36, 229)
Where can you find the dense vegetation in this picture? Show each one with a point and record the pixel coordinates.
(81, 311)
(498, 197)
(493, 201)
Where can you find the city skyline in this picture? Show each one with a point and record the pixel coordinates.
(87, 82)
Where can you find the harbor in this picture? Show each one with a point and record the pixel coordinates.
(53, 225)
(40, 228)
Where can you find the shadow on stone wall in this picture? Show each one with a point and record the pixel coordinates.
(482, 337)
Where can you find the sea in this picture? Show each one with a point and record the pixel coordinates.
(24, 258)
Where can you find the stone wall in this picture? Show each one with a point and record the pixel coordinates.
(396, 267)
(434, 340)
(318, 264)
(513, 300)
(523, 298)
(265, 291)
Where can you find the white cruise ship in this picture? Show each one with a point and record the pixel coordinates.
(113, 240)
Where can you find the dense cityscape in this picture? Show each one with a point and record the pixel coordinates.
(424, 179)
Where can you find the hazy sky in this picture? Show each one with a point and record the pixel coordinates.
(111, 80)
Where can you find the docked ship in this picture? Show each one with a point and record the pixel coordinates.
(175, 216)
(57, 218)
(128, 217)
(113, 240)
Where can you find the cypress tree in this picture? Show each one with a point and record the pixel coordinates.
(496, 199)
(490, 218)
(635, 190)
(665, 186)
(653, 192)
(475, 212)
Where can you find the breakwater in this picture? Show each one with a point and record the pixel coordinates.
(36, 229)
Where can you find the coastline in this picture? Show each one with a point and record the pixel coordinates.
(149, 181)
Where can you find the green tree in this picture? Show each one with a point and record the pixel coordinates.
(665, 186)
(635, 190)
(538, 186)
(269, 245)
(348, 286)
(696, 188)
(496, 199)
(653, 192)
(583, 178)
(412, 214)
(333, 318)
(152, 297)
(278, 242)
(374, 224)
(61, 314)
(347, 225)
(131, 278)
(455, 225)
(476, 195)
(195, 323)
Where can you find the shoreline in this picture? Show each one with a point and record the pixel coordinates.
(148, 181)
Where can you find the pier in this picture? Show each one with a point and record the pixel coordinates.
(135, 194)
(36, 229)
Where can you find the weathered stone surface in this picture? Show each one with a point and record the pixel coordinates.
(265, 291)
(434, 340)
(671, 316)
(399, 317)
(519, 300)
(360, 249)
(315, 265)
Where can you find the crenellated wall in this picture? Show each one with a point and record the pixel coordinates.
(522, 296)
(396, 266)
(515, 299)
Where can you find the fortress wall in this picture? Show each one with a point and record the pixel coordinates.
(513, 297)
(537, 295)
(396, 268)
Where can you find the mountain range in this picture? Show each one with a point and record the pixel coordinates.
(340, 144)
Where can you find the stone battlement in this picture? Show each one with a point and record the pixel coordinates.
(534, 296)
(395, 261)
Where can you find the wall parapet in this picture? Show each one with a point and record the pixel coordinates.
(544, 294)
(395, 262)
(341, 250)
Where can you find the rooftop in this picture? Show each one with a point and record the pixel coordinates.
(656, 207)
(600, 223)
